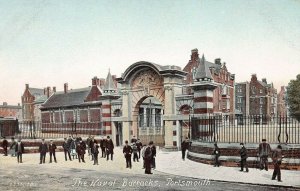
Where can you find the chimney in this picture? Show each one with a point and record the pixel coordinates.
(264, 80)
(48, 91)
(253, 77)
(95, 81)
(27, 86)
(195, 55)
(54, 89)
(66, 88)
(218, 61)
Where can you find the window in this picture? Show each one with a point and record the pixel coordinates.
(261, 91)
(261, 100)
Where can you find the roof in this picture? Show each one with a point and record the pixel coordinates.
(36, 91)
(203, 70)
(109, 85)
(40, 99)
(74, 97)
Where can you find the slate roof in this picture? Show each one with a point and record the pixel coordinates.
(74, 97)
(109, 85)
(36, 92)
(203, 70)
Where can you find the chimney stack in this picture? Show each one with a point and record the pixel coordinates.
(218, 61)
(264, 80)
(27, 86)
(54, 89)
(102, 82)
(66, 88)
(195, 55)
(48, 92)
(95, 81)
(253, 77)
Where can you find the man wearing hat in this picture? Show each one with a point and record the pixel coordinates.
(5, 145)
(244, 156)
(52, 148)
(43, 149)
(109, 148)
(184, 146)
(277, 159)
(148, 157)
(264, 150)
(127, 151)
(19, 150)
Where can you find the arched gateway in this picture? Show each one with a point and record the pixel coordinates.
(148, 101)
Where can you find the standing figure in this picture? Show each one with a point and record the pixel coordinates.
(96, 153)
(73, 146)
(88, 140)
(52, 148)
(109, 148)
(103, 146)
(139, 147)
(127, 151)
(5, 145)
(135, 152)
(264, 150)
(91, 147)
(143, 155)
(147, 157)
(80, 148)
(153, 153)
(66, 146)
(244, 156)
(277, 160)
(43, 149)
(184, 146)
(217, 154)
(12, 147)
(19, 150)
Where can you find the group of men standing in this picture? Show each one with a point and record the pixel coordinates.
(264, 151)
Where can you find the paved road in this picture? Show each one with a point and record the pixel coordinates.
(44, 177)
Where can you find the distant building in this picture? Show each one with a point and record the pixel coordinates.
(223, 95)
(29, 97)
(242, 98)
(263, 97)
(282, 106)
(10, 111)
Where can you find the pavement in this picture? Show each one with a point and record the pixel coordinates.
(172, 163)
(166, 163)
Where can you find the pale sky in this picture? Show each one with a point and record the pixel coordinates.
(48, 43)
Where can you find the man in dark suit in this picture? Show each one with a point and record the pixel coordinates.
(91, 146)
(103, 146)
(139, 147)
(127, 151)
(217, 154)
(43, 149)
(19, 150)
(148, 157)
(81, 147)
(5, 145)
(184, 146)
(52, 148)
(109, 148)
(277, 160)
(244, 156)
(66, 146)
(133, 140)
(264, 150)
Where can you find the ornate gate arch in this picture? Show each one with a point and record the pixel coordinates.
(142, 80)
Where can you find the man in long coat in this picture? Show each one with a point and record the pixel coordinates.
(109, 148)
(43, 149)
(52, 148)
(127, 151)
(19, 150)
(244, 156)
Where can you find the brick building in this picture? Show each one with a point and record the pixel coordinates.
(223, 95)
(29, 97)
(263, 97)
(282, 106)
(242, 98)
(75, 109)
(10, 111)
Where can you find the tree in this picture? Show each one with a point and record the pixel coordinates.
(293, 97)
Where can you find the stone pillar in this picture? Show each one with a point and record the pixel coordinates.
(169, 104)
(126, 114)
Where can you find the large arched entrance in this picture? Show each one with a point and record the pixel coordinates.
(149, 90)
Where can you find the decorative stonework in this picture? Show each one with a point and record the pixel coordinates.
(145, 79)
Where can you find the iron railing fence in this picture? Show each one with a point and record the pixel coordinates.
(246, 129)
